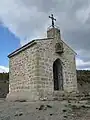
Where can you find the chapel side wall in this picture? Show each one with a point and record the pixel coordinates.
(23, 73)
(47, 58)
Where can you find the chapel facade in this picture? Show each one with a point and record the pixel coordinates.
(42, 68)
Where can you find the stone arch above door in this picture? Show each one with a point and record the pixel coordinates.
(58, 75)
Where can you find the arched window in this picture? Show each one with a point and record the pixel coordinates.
(57, 75)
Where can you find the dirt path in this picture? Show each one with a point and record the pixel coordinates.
(45, 110)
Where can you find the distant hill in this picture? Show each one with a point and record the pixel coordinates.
(4, 76)
(83, 79)
(83, 76)
(4, 84)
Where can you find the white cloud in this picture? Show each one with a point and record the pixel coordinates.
(83, 14)
(27, 19)
(86, 69)
(4, 69)
(22, 20)
(82, 64)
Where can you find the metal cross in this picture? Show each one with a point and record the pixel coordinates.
(53, 19)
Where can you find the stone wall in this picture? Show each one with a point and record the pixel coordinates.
(69, 67)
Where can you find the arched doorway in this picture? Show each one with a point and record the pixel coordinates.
(57, 75)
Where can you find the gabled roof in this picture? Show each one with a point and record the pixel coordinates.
(69, 47)
(22, 48)
(33, 42)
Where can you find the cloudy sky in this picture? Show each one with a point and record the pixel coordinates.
(24, 20)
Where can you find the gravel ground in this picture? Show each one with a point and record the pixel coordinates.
(44, 110)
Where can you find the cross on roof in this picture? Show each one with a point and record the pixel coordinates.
(53, 19)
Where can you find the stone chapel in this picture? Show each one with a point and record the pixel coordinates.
(42, 68)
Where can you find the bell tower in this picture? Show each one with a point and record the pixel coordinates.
(53, 31)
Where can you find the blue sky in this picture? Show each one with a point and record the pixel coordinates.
(8, 44)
